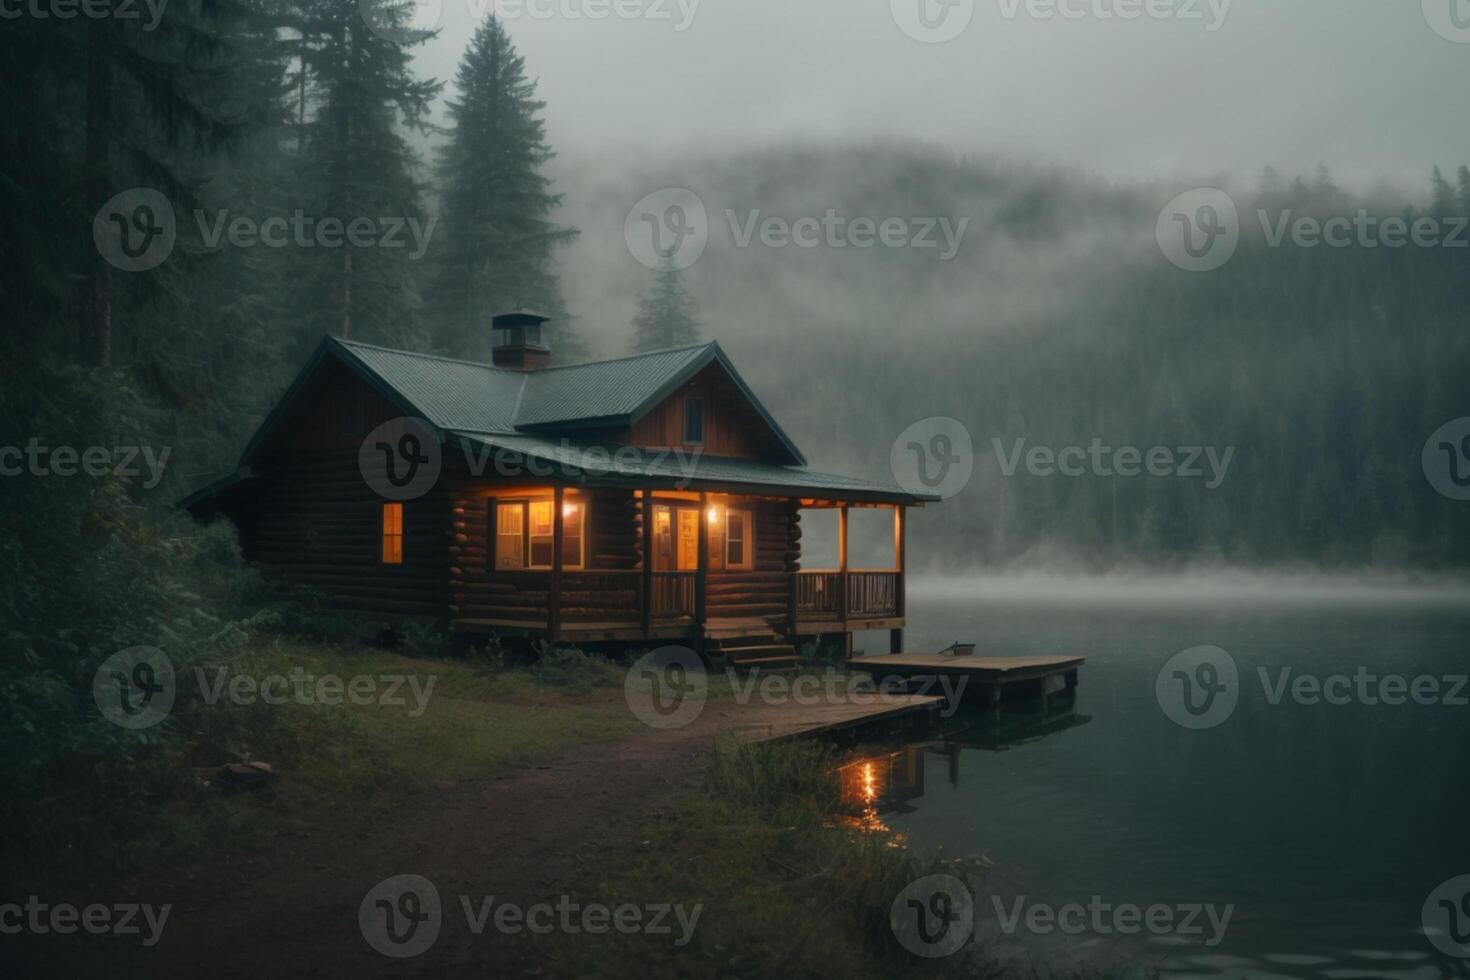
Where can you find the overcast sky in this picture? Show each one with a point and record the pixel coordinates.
(1367, 86)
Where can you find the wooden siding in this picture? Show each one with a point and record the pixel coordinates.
(607, 590)
(761, 592)
(611, 588)
(731, 426)
(314, 522)
(335, 411)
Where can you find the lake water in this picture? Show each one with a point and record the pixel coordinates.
(1326, 827)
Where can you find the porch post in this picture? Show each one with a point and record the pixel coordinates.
(900, 587)
(842, 565)
(647, 616)
(701, 575)
(793, 566)
(558, 533)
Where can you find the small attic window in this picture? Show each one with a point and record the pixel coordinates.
(519, 336)
(694, 420)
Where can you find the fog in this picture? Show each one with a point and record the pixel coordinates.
(1217, 85)
(1211, 588)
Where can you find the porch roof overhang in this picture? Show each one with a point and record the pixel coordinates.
(671, 469)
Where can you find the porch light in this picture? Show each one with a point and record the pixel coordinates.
(714, 515)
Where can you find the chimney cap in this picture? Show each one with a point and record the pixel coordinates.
(518, 317)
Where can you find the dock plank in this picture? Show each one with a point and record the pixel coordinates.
(998, 669)
(765, 723)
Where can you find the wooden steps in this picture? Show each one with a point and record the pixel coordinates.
(751, 649)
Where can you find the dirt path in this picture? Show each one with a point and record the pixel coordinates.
(523, 837)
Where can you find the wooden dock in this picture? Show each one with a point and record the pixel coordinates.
(875, 714)
(988, 679)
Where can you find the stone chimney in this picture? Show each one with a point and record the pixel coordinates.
(519, 344)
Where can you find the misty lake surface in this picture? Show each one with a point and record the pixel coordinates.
(1325, 826)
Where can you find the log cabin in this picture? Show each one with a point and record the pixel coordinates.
(637, 500)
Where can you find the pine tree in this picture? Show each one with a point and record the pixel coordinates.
(124, 92)
(358, 164)
(498, 237)
(1444, 203)
(667, 313)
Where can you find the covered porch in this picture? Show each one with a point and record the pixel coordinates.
(631, 565)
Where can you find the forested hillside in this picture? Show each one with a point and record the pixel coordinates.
(1060, 321)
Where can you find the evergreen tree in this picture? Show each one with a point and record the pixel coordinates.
(667, 313)
(103, 103)
(357, 164)
(1444, 203)
(498, 236)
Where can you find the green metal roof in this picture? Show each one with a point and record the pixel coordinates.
(481, 398)
(680, 469)
(532, 414)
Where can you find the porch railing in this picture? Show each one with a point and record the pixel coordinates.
(672, 595)
(819, 594)
(869, 594)
(872, 594)
(601, 596)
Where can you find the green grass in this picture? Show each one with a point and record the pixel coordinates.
(339, 765)
(791, 887)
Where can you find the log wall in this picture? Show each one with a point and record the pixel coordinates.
(315, 522)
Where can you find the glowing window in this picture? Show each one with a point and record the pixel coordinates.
(392, 534)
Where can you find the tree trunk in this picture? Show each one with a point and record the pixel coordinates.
(95, 299)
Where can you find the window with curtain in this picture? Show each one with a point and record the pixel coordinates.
(524, 534)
